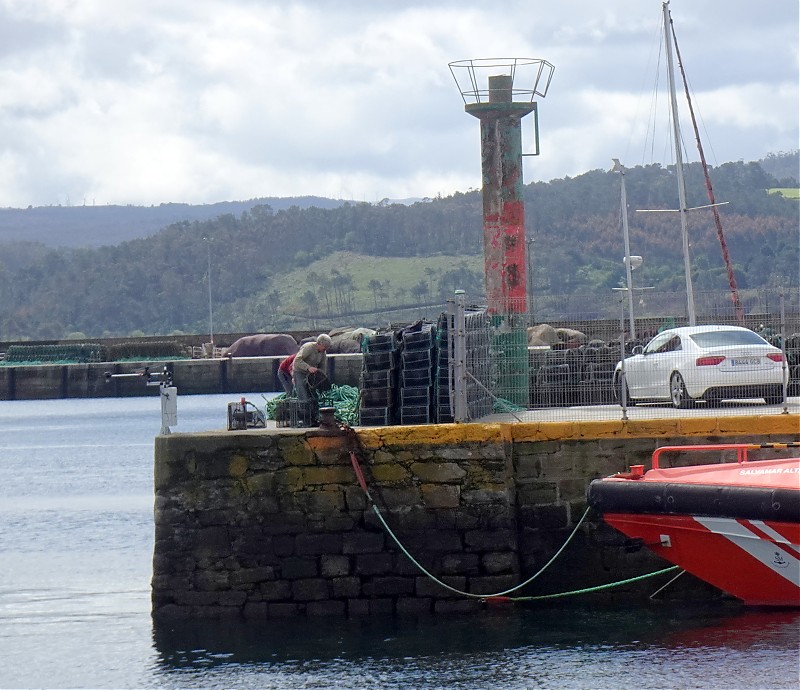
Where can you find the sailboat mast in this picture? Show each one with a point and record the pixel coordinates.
(687, 268)
(737, 305)
(623, 204)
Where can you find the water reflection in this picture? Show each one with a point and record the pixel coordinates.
(753, 628)
(190, 642)
(512, 648)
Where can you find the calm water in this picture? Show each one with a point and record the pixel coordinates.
(76, 540)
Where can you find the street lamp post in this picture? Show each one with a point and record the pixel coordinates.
(623, 205)
(529, 242)
(210, 311)
(631, 264)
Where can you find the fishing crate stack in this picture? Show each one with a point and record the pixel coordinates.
(378, 380)
(417, 371)
(444, 374)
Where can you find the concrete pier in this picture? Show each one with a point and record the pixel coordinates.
(191, 376)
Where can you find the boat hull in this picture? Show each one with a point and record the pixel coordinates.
(757, 561)
(735, 525)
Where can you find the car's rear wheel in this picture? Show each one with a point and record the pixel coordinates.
(774, 397)
(677, 392)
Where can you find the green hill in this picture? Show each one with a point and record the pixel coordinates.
(295, 268)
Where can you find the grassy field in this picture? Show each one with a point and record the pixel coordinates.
(397, 276)
(788, 192)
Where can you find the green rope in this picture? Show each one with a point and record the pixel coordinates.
(418, 564)
(503, 405)
(469, 594)
(499, 595)
(504, 593)
(343, 400)
(597, 588)
(272, 403)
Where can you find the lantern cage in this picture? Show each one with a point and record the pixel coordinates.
(530, 77)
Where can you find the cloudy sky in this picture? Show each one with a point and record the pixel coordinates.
(198, 101)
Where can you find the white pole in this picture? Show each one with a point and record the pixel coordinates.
(460, 406)
(628, 276)
(529, 244)
(210, 312)
(687, 268)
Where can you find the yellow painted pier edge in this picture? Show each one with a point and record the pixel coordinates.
(516, 432)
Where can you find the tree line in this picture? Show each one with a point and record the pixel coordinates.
(157, 285)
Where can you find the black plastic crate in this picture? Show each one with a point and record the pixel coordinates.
(381, 342)
(415, 396)
(416, 378)
(442, 398)
(415, 417)
(417, 359)
(287, 413)
(377, 379)
(293, 413)
(427, 366)
(377, 397)
(425, 333)
(423, 340)
(380, 361)
(375, 416)
(444, 414)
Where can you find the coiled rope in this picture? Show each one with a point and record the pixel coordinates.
(497, 596)
(343, 399)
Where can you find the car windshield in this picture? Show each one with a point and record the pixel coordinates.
(723, 338)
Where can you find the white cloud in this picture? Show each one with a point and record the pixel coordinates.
(734, 106)
(142, 101)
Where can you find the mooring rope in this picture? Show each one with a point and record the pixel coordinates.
(500, 404)
(497, 596)
(598, 588)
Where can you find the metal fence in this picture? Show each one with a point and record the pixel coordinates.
(562, 359)
(570, 365)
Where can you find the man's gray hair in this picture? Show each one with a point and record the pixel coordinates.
(324, 339)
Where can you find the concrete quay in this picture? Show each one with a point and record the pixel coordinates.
(266, 524)
(190, 376)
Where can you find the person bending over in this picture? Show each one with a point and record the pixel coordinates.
(310, 359)
(285, 374)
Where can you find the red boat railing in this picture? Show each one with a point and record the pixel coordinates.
(740, 448)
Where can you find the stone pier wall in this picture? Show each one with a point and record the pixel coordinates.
(274, 523)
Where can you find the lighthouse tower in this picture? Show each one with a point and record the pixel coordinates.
(500, 92)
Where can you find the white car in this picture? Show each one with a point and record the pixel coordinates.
(711, 363)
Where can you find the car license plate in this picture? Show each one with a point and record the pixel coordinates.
(745, 361)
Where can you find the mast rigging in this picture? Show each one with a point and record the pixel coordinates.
(737, 305)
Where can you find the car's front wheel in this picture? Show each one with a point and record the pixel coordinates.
(677, 392)
(618, 391)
